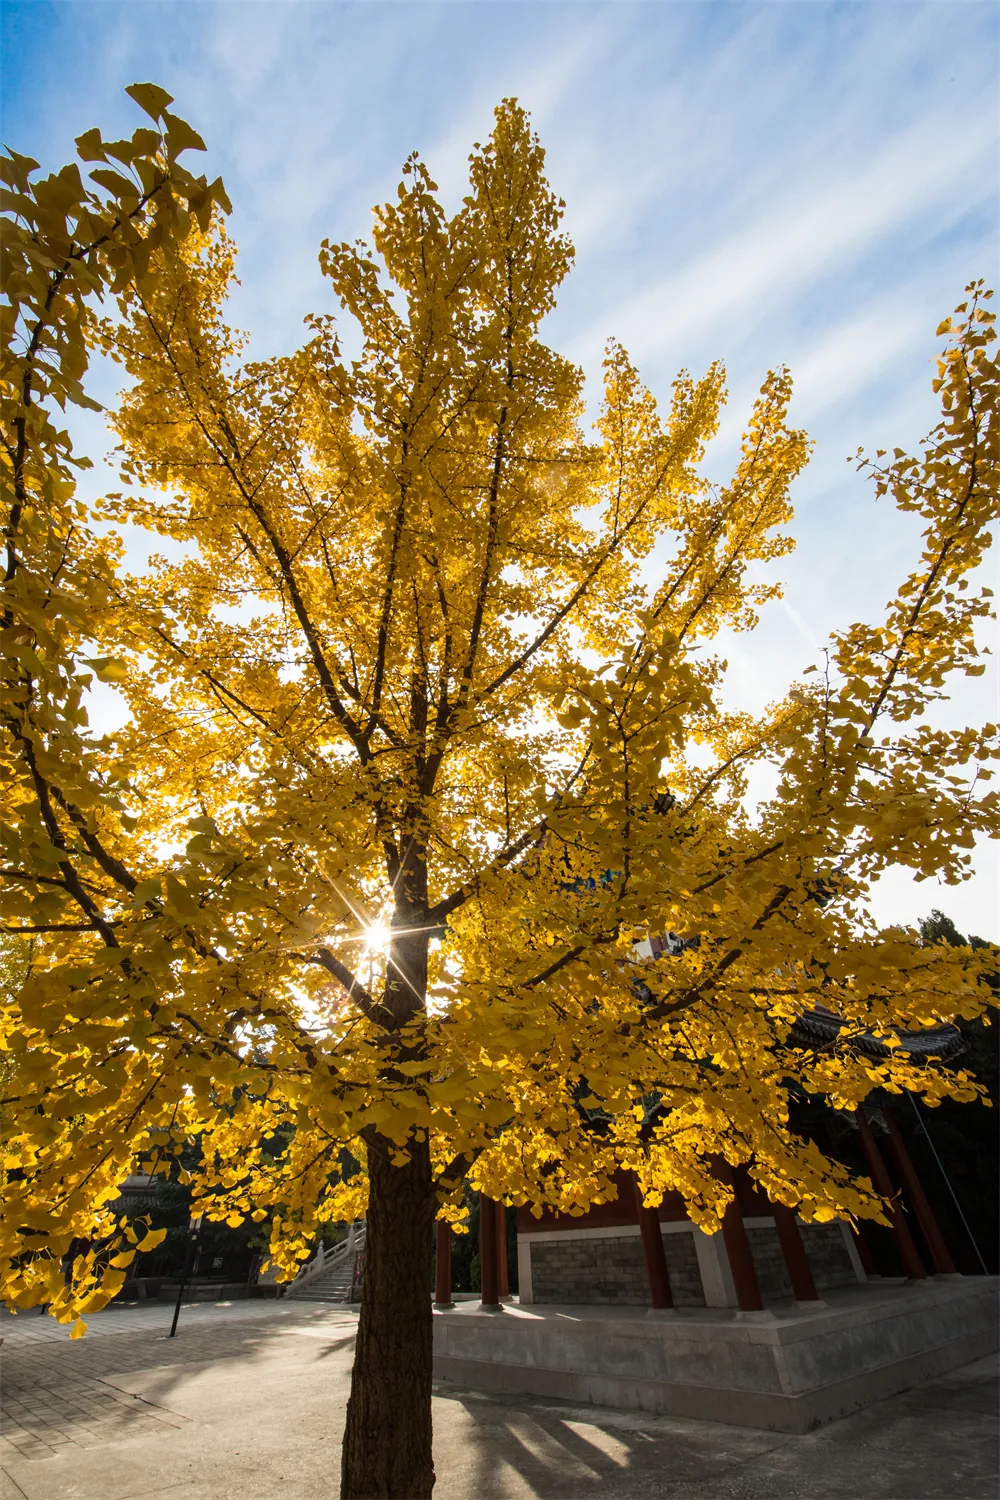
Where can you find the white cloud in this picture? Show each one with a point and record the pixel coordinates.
(798, 239)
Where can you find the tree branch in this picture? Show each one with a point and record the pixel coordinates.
(356, 991)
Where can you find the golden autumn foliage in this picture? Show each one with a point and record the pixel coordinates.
(417, 755)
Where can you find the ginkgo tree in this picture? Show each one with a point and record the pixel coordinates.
(426, 732)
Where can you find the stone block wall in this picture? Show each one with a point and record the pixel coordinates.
(683, 1269)
(592, 1271)
(769, 1263)
(611, 1270)
(825, 1249)
(828, 1255)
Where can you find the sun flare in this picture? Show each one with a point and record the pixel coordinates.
(377, 938)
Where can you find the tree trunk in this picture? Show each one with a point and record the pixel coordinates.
(387, 1436)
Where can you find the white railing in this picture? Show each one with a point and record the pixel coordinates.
(325, 1261)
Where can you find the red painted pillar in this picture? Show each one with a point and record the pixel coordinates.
(489, 1297)
(865, 1256)
(799, 1270)
(917, 1199)
(660, 1295)
(442, 1276)
(740, 1260)
(503, 1288)
(912, 1264)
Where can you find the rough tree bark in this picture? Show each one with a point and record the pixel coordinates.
(387, 1436)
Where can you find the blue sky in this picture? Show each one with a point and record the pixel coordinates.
(799, 182)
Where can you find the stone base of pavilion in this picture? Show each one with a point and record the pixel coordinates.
(789, 1369)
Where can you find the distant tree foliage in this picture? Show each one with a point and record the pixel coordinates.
(966, 1137)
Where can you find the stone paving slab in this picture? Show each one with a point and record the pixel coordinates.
(56, 1392)
(19, 1328)
(248, 1404)
(86, 1413)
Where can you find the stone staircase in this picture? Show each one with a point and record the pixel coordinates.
(333, 1275)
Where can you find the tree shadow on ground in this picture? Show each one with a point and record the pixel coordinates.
(931, 1442)
(517, 1447)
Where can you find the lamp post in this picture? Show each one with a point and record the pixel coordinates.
(194, 1237)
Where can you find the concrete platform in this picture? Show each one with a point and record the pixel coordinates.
(789, 1369)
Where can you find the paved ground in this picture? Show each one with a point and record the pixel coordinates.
(247, 1402)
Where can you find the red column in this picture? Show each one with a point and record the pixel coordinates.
(917, 1199)
(442, 1277)
(799, 1270)
(912, 1264)
(864, 1254)
(503, 1289)
(489, 1297)
(740, 1260)
(660, 1295)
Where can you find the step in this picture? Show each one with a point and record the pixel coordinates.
(323, 1288)
(311, 1296)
